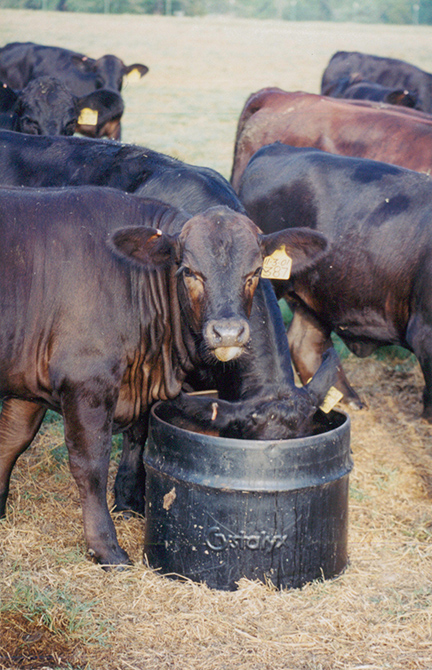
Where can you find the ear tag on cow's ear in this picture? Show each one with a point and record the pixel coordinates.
(88, 117)
(134, 75)
(277, 265)
(332, 398)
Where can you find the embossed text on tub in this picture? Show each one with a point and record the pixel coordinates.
(219, 539)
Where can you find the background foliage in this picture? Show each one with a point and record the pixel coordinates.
(359, 11)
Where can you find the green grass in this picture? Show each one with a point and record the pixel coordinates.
(57, 608)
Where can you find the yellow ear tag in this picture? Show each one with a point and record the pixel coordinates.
(277, 265)
(332, 398)
(88, 117)
(134, 75)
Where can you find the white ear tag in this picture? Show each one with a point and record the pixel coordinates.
(88, 117)
(277, 265)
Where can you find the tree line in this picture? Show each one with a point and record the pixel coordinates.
(359, 11)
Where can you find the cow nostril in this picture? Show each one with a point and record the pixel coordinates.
(242, 334)
(217, 337)
(227, 333)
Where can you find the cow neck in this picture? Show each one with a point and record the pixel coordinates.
(267, 367)
(164, 358)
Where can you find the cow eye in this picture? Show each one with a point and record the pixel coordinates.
(251, 280)
(30, 127)
(187, 272)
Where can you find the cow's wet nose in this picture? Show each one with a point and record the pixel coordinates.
(227, 337)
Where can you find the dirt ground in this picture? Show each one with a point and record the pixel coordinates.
(57, 609)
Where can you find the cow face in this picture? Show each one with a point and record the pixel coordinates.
(100, 113)
(218, 257)
(46, 107)
(8, 98)
(108, 71)
(288, 414)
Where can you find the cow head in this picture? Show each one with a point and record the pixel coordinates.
(8, 97)
(100, 113)
(46, 107)
(401, 97)
(108, 71)
(218, 256)
(259, 417)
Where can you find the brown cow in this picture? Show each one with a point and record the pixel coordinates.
(103, 312)
(364, 129)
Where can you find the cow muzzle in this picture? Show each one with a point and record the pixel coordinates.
(227, 338)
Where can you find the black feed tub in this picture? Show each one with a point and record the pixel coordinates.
(220, 509)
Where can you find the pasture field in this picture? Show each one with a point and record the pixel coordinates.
(58, 611)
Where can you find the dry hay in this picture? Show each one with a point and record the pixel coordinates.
(376, 615)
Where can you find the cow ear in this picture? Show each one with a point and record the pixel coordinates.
(18, 106)
(402, 98)
(11, 97)
(135, 71)
(324, 378)
(146, 246)
(304, 247)
(83, 63)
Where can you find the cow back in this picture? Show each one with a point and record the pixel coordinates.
(365, 129)
(390, 72)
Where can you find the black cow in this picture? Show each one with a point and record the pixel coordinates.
(20, 62)
(43, 107)
(374, 286)
(7, 97)
(101, 315)
(389, 72)
(355, 88)
(63, 161)
(100, 114)
(46, 107)
(76, 161)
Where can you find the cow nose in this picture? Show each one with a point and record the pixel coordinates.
(227, 337)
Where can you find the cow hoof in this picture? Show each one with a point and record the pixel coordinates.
(128, 513)
(119, 567)
(3, 498)
(133, 506)
(427, 414)
(117, 559)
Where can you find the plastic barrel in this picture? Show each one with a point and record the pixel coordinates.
(219, 509)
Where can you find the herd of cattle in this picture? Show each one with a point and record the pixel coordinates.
(135, 275)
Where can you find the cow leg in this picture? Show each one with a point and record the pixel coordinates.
(419, 338)
(129, 487)
(308, 339)
(426, 366)
(88, 415)
(20, 420)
